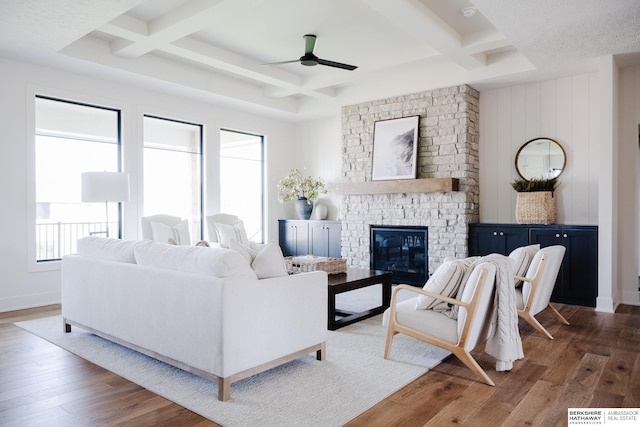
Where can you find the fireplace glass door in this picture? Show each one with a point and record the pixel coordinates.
(401, 250)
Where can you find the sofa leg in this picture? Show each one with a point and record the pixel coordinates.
(65, 326)
(224, 389)
(322, 353)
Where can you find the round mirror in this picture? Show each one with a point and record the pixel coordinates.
(540, 158)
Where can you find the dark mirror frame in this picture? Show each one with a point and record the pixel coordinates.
(530, 143)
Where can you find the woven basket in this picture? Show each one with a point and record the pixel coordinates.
(331, 266)
(538, 207)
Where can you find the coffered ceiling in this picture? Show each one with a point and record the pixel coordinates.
(218, 50)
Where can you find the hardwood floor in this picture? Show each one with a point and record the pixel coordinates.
(594, 362)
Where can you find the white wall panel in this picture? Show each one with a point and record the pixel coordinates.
(488, 155)
(318, 149)
(580, 118)
(563, 109)
(504, 158)
(594, 164)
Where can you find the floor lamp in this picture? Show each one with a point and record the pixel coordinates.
(105, 187)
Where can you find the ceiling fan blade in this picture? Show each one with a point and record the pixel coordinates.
(336, 64)
(282, 62)
(309, 43)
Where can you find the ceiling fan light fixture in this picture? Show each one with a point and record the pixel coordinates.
(468, 11)
(309, 60)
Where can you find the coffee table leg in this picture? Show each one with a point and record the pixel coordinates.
(333, 324)
(331, 315)
(386, 293)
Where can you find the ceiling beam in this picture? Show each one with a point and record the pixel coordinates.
(145, 37)
(416, 18)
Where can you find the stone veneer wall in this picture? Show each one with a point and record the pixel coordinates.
(447, 148)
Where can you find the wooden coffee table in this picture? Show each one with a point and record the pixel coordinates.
(356, 278)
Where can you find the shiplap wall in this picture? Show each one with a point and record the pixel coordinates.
(319, 151)
(565, 110)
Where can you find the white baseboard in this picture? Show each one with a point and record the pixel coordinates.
(29, 301)
(631, 297)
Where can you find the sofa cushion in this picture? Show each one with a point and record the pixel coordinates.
(522, 257)
(108, 248)
(218, 262)
(266, 261)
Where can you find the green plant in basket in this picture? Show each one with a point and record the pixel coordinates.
(522, 185)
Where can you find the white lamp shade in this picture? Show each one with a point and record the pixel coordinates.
(105, 187)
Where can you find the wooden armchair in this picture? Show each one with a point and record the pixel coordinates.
(535, 293)
(459, 336)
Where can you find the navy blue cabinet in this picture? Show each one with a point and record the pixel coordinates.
(577, 281)
(317, 237)
(578, 277)
(487, 239)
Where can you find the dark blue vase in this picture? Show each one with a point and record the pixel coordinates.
(304, 208)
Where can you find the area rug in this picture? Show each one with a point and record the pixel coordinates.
(304, 392)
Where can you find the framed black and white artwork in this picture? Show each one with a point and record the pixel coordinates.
(395, 148)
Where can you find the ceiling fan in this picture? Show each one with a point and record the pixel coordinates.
(309, 59)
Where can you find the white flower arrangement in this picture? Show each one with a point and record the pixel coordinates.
(295, 186)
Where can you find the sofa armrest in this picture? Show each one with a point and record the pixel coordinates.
(278, 316)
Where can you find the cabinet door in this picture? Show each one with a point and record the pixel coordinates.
(578, 277)
(580, 271)
(485, 239)
(325, 238)
(293, 237)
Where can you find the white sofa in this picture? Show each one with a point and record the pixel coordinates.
(201, 309)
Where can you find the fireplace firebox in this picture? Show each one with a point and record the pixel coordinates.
(401, 249)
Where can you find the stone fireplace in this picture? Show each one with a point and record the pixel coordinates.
(447, 148)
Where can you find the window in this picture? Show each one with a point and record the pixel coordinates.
(71, 138)
(173, 171)
(241, 180)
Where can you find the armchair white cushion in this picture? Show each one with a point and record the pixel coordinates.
(444, 281)
(161, 228)
(522, 258)
(222, 228)
(535, 293)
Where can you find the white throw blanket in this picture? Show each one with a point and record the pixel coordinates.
(503, 340)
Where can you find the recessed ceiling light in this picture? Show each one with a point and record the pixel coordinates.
(468, 11)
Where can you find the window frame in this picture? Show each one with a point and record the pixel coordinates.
(201, 164)
(262, 173)
(33, 264)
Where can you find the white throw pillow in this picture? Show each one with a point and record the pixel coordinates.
(181, 230)
(444, 281)
(163, 232)
(522, 257)
(108, 249)
(247, 252)
(241, 233)
(228, 232)
(218, 262)
(266, 263)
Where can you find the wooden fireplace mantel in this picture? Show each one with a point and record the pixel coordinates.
(426, 185)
